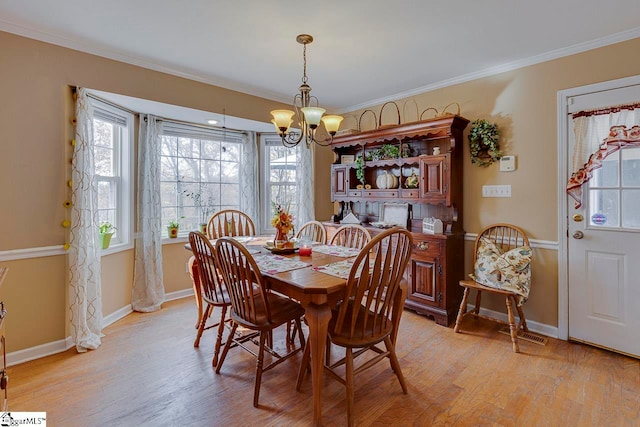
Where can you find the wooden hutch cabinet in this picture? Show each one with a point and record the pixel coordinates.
(437, 260)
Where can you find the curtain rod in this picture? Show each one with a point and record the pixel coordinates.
(604, 111)
(182, 122)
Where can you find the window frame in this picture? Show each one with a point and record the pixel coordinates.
(175, 129)
(124, 168)
(267, 140)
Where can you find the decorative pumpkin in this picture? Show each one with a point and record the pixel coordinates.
(387, 180)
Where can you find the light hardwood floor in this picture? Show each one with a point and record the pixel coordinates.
(147, 373)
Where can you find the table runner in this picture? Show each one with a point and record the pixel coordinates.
(336, 250)
(272, 264)
(341, 269)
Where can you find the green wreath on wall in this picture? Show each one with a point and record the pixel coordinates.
(483, 143)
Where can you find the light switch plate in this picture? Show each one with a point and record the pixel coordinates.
(507, 163)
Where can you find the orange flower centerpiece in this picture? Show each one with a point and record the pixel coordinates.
(283, 222)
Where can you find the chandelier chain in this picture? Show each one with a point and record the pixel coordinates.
(304, 56)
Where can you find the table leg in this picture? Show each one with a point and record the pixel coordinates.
(197, 289)
(318, 319)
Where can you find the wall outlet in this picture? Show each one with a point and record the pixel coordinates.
(496, 191)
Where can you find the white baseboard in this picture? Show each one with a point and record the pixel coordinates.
(43, 350)
(540, 328)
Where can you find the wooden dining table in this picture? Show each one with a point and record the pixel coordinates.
(318, 292)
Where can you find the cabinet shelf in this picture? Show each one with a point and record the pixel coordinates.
(437, 261)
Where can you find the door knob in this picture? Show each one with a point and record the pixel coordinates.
(578, 235)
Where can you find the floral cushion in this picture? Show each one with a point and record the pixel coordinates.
(510, 271)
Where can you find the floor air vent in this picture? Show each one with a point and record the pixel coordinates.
(526, 336)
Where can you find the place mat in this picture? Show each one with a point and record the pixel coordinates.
(340, 269)
(336, 250)
(272, 264)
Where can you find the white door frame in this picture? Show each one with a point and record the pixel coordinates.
(563, 218)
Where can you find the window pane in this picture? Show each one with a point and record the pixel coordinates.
(230, 194)
(229, 172)
(607, 175)
(211, 149)
(103, 161)
(168, 168)
(603, 208)
(168, 196)
(210, 171)
(188, 170)
(631, 208)
(230, 152)
(631, 167)
(103, 134)
(169, 146)
(188, 147)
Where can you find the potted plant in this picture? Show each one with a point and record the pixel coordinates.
(106, 230)
(172, 228)
(205, 207)
(483, 143)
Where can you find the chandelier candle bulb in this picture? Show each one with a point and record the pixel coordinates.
(313, 115)
(332, 123)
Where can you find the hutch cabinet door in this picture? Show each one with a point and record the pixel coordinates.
(434, 173)
(339, 182)
(424, 283)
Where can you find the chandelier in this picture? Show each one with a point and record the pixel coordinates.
(308, 116)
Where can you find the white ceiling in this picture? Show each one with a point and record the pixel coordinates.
(365, 51)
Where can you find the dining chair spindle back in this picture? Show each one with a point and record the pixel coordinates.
(253, 307)
(352, 236)
(230, 222)
(213, 291)
(370, 313)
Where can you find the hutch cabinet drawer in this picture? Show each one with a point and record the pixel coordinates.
(381, 193)
(426, 247)
(410, 194)
(355, 193)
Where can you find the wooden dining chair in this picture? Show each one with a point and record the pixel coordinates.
(370, 313)
(511, 245)
(351, 236)
(314, 231)
(212, 288)
(230, 222)
(254, 308)
(224, 223)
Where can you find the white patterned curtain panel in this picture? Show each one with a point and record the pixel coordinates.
(304, 176)
(85, 295)
(249, 176)
(148, 285)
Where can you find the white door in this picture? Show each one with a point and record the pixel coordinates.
(604, 241)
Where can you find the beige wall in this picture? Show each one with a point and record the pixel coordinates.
(524, 105)
(35, 130)
(34, 133)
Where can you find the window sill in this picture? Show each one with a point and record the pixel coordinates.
(120, 247)
(179, 239)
